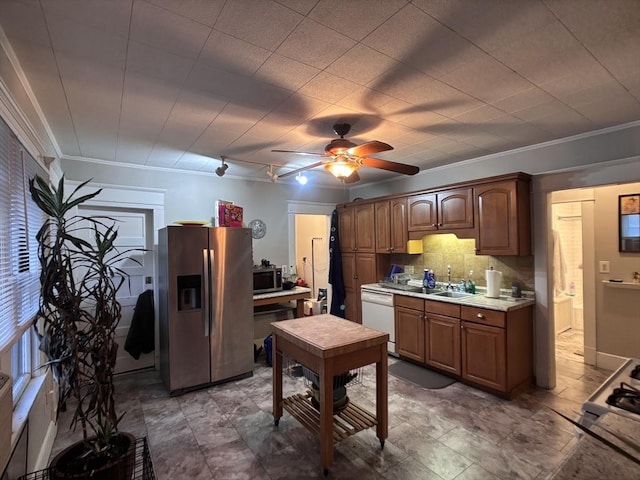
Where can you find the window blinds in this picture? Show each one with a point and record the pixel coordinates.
(20, 220)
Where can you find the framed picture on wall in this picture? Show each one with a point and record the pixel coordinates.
(629, 222)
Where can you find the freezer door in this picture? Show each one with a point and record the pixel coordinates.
(231, 302)
(184, 346)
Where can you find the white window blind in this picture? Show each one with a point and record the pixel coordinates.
(20, 220)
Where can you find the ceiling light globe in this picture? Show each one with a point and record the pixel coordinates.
(341, 169)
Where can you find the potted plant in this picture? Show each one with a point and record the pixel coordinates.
(76, 323)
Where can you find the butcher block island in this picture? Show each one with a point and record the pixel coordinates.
(330, 347)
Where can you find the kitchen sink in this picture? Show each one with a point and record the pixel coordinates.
(451, 294)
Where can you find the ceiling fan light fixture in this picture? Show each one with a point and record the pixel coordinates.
(341, 169)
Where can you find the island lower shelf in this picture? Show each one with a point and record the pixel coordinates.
(349, 421)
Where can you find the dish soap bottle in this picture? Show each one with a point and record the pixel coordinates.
(471, 285)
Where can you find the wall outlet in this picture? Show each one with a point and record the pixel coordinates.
(604, 266)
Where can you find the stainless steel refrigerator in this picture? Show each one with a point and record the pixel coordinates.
(206, 305)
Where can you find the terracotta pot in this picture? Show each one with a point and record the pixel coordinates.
(67, 464)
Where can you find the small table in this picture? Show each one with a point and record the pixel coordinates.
(299, 294)
(330, 346)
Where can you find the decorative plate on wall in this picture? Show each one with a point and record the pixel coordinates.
(258, 228)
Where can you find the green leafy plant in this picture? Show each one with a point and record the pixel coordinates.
(79, 312)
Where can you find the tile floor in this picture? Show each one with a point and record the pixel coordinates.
(227, 431)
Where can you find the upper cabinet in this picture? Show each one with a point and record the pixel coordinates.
(357, 228)
(503, 218)
(391, 225)
(446, 210)
(494, 211)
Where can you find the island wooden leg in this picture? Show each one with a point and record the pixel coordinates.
(276, 357)
(382, 395)
(326, 416)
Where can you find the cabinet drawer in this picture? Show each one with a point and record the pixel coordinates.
(483, 316)
(442, 308)
(408, 302)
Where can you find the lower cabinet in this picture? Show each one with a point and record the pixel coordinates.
(442, 332)
(483, 355)
(410, 336)
(489, 349)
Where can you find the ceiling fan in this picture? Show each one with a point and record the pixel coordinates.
(343, 158)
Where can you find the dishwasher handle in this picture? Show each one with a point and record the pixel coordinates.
(377, 297)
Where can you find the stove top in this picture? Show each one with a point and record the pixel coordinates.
(619, 394)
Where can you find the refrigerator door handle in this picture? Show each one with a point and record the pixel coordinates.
(206, 306)
(212, 260)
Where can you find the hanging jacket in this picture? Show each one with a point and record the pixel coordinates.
(141, 336)
(335, 270)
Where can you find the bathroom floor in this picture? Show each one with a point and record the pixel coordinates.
(227, 431)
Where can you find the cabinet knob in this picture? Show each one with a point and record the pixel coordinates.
(481, 316)
(440, 224)
(434, 225)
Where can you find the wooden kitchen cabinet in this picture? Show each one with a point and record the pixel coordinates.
(497, 348)
(483, 355)
(359, 263)
(446, 210)
(391, 232)
(442, 336)
(357, 269)
(409, 325)
(357, 228)
(503, 218)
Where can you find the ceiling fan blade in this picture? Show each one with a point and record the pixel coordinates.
(390, 166)
(353, 178)
(300, 153)
(302, 169)
(369, 147)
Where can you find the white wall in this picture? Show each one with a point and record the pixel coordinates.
(190, 196)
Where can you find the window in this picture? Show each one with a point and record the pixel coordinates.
(21, 364)
(20, 220)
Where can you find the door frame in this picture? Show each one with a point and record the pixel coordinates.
(149, 200)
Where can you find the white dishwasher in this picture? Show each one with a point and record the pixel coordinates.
(378, 313)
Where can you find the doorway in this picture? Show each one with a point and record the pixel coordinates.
(568, 280)
(312, 251)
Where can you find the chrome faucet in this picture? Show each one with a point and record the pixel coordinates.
(449, 286)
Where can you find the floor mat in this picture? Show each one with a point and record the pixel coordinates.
(420, 376)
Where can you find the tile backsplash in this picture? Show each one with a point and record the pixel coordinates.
(440, 250)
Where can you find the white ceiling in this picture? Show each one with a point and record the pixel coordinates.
(180, 83)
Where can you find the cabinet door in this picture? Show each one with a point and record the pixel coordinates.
(442, 343)
(391, 226)
(365, 228)
(502, 211)
(410, 333)
(484, 355)
(349, 277)
(346, 226)
(398, 222)
(383, 227)
(455, 209)
(422, 213)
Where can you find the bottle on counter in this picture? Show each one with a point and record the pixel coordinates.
(431, 282)
(462, 287)
(425, 278)
(471, 285)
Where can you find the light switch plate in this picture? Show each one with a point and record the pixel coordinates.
(604, 266)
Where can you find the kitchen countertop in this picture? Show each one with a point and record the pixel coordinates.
(282, 293)
(504, 303)
(589, 458)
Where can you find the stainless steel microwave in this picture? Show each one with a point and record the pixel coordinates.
(267, 279)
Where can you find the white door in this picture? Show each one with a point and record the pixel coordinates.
(134, 232)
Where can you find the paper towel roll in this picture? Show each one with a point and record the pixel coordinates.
(494, 281)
